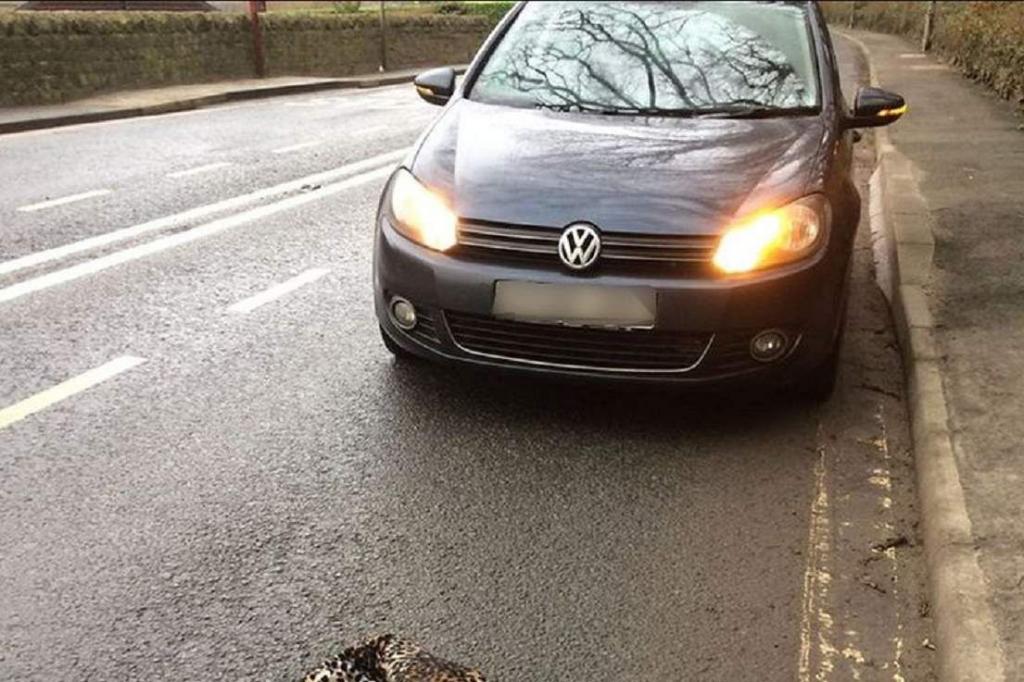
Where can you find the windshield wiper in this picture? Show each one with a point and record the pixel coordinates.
(559, 107)
(621, 111)
(724, 111)
(650, 111)
(754, 111)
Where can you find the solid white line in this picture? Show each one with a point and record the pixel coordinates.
(247, 305)
(178, 219)
(66, 389)
(63, 200)
(149, 248)
(296, 147)
(199, 169)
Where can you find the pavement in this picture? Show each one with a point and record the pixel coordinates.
(150, 101)
(211, 468)
(958, 155)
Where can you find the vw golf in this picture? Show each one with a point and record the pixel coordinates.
(651, 191)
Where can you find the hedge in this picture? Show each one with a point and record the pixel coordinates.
(985, 39)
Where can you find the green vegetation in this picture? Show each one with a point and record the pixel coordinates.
(494, 11)
(348, 7)
(452, 8)
(984, 38)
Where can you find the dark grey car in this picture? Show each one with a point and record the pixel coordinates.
(652, 191)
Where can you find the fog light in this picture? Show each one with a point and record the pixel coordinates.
(403, 313)
(768, 345)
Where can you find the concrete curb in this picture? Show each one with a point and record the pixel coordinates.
(968, 644)
(188, 103)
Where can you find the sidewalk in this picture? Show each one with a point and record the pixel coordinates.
(151, 101)
(966, 158)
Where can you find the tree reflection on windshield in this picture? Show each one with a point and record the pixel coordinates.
(649, 56)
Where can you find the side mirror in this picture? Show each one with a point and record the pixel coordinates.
(437, 85)
(876, 107)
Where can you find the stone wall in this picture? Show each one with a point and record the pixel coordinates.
(52, 57)
(345, 44)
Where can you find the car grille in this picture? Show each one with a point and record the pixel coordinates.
(731, 354)
(426, 328)
(497, 241)
(578, 347)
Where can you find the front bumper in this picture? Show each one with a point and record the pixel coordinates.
(714, 319)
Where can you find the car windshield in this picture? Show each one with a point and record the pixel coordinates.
(655, 58)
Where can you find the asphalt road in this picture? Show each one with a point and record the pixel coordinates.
(242, 489)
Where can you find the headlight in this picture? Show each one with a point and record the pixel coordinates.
(774, 237)
(420, 214)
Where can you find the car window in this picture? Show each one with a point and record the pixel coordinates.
(671, 56)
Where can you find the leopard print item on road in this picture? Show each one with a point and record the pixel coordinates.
(387, 659)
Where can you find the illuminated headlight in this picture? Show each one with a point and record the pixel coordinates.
(421, 215)
(783, 235)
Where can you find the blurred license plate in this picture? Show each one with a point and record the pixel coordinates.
(575, 304)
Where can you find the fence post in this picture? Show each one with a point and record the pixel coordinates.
(383, 38)
(852, 19)
(255, 6)
(929, 27)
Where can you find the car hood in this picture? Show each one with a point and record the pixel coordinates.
(623, 174)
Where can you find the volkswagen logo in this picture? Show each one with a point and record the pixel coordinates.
(579, 246)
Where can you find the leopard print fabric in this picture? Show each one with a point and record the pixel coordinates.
(388, 659)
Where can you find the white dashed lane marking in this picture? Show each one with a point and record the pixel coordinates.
(66, 389)
(50, 203)
(183, 218)
(101, 263)
(278, 290)
(296, 147)
(199, 169)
